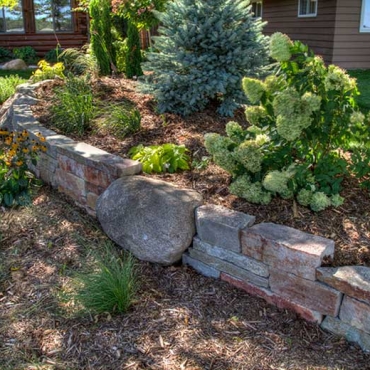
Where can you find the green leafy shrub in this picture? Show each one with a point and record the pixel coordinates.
(26, 53)
(54, 55)
(161, 158)
(46, 71)
(123, 120)
(112, 286)
(204, 50)
(305, 121)
(73, 109)
(8, 85)
(16, 149)
(5, 55)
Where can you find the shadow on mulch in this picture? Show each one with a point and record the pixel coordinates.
(180, 320)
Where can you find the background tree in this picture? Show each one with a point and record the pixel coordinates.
(205, 49)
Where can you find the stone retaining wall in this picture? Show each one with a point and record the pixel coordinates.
(283, 266)
(77, 169)
(280, 264)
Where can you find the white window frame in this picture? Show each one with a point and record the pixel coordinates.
(365, 6)
(310, 15)
(259, 2)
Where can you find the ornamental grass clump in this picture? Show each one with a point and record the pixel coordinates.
(305, 135)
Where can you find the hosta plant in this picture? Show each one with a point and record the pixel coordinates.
(16, 150)
(161, 158)
(303, 123)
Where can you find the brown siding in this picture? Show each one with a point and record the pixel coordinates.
(317, 32)
(45, 42)
(351, 47)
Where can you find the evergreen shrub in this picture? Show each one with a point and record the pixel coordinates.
(133, 53)
(204, 50)
(302, 134)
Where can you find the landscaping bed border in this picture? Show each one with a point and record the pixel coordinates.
(284, 266)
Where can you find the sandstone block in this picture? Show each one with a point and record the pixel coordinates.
(66, 180)
(286, 248)
(228, 268)
(313, 295)
(221, 226)
(274, 299)
(237, 259)
(201, 267)
(151, 218)
(353, 281)
(91, 200)
(93, 157)
(352, 334)
(355, 313)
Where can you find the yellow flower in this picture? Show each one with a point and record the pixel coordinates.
(44, 148)
(4, 133)
(12, 153)
(15, 146)
(25, 133)
(8, 140)
(19, 163)
(35, 148)
(25, 150)
(42, 139)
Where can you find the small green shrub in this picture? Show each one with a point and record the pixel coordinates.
(53, 55)
(5, 55)
(73, 108)
(161, 158)
(16, 149)
(46, 71)
(304, 121)
(8, 85)
(112, 286)
(123, 120)
(26, 53)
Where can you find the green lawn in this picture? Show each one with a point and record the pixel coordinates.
(363, 82)
(26, 74)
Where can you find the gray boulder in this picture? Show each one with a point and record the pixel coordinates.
(15, 64)
(151, 218)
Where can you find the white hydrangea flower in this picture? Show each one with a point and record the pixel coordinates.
(275, 181)
(280, 45)
(319, 201)
(254, 114)
(249, 155)
(253, 89)
(357, 118)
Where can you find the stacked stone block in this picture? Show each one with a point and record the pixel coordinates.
(77, 169)
(283, 266)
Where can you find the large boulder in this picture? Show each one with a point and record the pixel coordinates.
(151, 218)
(16, 64)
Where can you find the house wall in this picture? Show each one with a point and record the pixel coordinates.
(351, 47)
(43, 42)
(317, 32)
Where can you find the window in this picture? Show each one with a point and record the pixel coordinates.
(307, 8)
(11, 19)
(257, 9)
(365, 16)
(53, 15)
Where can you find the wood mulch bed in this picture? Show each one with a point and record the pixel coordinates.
(348, 225)
(180, 320)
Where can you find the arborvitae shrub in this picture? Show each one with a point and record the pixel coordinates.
(204, 50)
(101, 37)
(133, 54)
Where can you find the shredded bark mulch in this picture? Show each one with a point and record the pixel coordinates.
(347, 225)
(179, 320)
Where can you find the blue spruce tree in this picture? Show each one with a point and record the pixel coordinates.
(204, 50)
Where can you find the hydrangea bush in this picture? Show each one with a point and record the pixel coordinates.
(305, 135)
